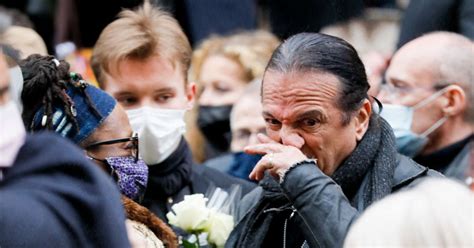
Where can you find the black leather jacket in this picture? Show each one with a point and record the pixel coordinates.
(322, 213)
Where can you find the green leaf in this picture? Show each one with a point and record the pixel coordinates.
(187, 244)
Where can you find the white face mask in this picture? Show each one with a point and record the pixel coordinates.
(16, 86)
(400, 119)
(12, 133)
(159, 131)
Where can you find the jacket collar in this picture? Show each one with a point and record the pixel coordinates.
(442, 159)
(173, 174)
(406, 171)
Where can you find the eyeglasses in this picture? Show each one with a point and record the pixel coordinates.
(133, 144)
(400, 91)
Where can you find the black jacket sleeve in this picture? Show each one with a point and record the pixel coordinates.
(324, 209)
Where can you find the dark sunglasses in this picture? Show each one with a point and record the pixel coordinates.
(133, 140)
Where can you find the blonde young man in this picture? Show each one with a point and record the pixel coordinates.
(142, 59)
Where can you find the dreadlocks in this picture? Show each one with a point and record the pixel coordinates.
(45, 84)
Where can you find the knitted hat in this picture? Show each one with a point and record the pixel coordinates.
(88, 119)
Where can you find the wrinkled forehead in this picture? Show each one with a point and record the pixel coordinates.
(297, 86)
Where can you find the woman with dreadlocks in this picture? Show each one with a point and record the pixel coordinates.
(57, 100)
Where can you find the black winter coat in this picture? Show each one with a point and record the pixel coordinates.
(322, 214)
(52, 196)
(177, 176)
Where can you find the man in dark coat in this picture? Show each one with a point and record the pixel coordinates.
(327, 156)
(50, 194)
(428, 102)
(145, 69)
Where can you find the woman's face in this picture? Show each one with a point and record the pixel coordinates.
(115, 127)
(222, 81)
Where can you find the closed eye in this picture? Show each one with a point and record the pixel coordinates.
(221, 88)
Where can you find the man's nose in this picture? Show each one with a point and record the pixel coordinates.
(291, 138)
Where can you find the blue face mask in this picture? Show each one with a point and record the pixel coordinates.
(400, 119)
(243, 164)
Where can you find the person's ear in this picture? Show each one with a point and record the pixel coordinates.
(190, 95)
(454, 101)
(361, 120)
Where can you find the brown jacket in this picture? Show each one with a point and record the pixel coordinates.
(138, 213)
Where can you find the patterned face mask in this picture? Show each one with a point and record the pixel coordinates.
(131, 175)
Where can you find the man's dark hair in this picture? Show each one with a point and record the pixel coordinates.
(324, 53)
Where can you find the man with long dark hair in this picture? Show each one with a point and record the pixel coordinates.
(327, 156)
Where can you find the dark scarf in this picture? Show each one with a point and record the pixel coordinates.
(374, 157)
(170, 176)
(441, 159)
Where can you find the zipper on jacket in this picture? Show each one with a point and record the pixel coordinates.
(286, 224)
(278, 209)
(304, 244)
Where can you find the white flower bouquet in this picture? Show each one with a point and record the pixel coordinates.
(209, 219)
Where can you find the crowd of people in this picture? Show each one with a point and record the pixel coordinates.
(322, 153)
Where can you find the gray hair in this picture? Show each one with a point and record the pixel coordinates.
(435, 213)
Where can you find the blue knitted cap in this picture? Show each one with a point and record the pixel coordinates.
(86, 118)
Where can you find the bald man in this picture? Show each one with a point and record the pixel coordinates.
(428, 101)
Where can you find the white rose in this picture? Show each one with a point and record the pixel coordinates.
(219, 227)
(191, 214)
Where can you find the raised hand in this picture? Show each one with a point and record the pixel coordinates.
(277, 158)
